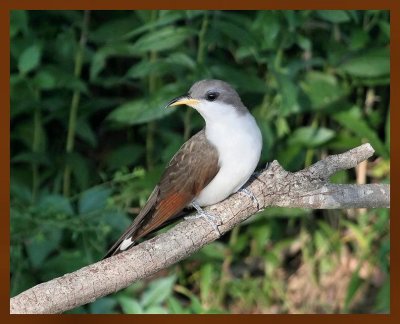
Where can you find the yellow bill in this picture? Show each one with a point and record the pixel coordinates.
(184, 101)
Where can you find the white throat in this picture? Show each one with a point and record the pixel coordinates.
(238, 141)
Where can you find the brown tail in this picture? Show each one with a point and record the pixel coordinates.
(116, 248)
(133, 234)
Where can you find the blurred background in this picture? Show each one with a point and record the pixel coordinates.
(90, 138)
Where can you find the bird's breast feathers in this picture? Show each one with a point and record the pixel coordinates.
(238, 142)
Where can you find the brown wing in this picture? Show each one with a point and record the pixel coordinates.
(189, 171)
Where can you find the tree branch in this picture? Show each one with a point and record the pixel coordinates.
(308, 188)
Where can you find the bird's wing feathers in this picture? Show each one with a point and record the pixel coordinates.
(189, 171)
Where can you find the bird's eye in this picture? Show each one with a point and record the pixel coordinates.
(211, 96)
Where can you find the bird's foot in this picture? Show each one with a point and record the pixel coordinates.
(249, 194)
(210, 218)
(257, 173)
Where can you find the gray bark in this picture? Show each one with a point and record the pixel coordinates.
(308, 188)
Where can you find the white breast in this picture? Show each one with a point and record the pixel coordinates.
(239, 142)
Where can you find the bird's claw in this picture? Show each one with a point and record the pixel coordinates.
(213, 220)
(249, 194)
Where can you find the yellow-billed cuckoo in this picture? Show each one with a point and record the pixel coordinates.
(209, 167)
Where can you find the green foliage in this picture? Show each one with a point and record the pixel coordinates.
(90, 137)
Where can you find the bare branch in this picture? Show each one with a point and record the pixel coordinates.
(308, 188)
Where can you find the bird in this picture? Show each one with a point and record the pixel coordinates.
(213, 164)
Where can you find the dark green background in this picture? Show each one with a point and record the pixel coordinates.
(90, 137)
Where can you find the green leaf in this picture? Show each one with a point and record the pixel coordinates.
(382, 303)
(282, 127)
(181, 59)
(99, 59)
(56, 204)
(20, 189)
(304, 42)
(85, 132)
(45, 80)
(353, 120)
(261, 235)
(245, 81)
(387, 131)
(344, 141)
(22, 283)
(158, 291)
(104, 305)
(383, 298)
(162, 39)
(288, 93)
(291, 157)
(322, 90)
(18, 22)
(117, 220)
(206, 282)
(237, 33)
(215, 251)
(130, 306)
(113, 30)
(311, 136)
(385, 28)
(283, 212)
(93, 199)
(141, 111)
(334, 16)
(31, 157)
(268, 136)
(170, 65)
(167, 17)
(54, 77)
(64, 262)
(372, 64)
(355, 284)
(40, 246)
(138, 112)
(124, 155)
(175, 307)
(23, 132)
(269, 24)
(156, 310)
(359, 38)
(29, 59)
(80, 169)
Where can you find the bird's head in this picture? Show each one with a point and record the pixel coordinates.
(211, 98)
